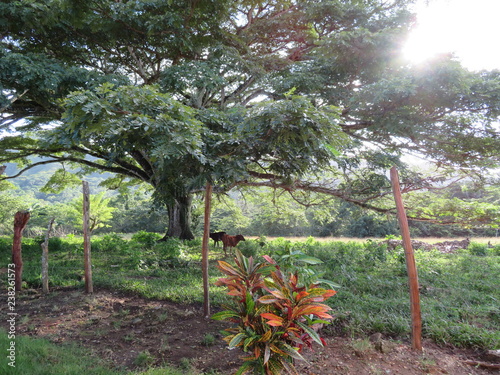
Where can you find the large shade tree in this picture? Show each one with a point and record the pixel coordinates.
(174, 93)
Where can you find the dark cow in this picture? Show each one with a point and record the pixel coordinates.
(217, 236)
(231, 241)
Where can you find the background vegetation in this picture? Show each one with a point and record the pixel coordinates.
(249, 211)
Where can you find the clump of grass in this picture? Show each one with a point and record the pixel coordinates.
(162, 317)
(186, 364)
(129, 337)
(144, 359)
(208, 340)
(362, 347)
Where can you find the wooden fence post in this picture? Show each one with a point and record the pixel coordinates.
(20, 221)
(45, 259)
(204, 250)
(86, 239)
(416, 318)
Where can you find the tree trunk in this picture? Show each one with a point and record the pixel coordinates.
(20, 220)
(179, 219)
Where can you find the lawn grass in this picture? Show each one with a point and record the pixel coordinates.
(41, 357)
(35, 356)
(460, 292)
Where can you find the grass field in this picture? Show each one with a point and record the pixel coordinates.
(460, 292)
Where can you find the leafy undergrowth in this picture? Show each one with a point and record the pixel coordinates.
(123, 333)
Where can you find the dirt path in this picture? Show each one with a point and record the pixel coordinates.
(119, 327)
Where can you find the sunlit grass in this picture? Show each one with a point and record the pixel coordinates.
(459, 292)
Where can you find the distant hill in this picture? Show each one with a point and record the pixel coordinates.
(35, 178)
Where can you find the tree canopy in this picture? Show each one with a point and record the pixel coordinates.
(268, 93)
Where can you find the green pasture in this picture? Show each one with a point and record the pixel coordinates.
(460, 294)
(41, 357)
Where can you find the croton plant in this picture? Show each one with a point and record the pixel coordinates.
(275, 317)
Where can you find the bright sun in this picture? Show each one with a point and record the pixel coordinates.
(469, 29)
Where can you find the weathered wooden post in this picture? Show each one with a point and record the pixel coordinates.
(20, 221)
(416, 317)
(204, 250)
(86, 238)
(45, 259)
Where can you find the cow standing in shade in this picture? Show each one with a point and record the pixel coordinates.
(217, 236)
(231, 241)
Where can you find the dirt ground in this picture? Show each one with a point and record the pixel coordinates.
(118, 327)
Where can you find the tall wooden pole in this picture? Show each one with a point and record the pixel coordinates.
(204, 250)
(45, 259)
(89, 288)
(21, 219)
(416, 317)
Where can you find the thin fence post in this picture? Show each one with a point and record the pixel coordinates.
(416, 317)
(204, 250)
(45, 259)
(86, 238)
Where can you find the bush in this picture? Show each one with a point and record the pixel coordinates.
(495, 250)
(249, 248)
(56, 244)
(5, 245)
(168, 249)
(274, 316)
(479, 249)
(147, 239)
(110, 243)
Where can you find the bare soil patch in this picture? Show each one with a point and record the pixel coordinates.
(118, 327)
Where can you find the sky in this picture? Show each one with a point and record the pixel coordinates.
(468, 28)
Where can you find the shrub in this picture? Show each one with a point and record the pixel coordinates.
(147, 239)
(249, 248)
(375, 252)
(274, 315)
(56, 244)
(169, 249)
(495, 250)
(110, 243)
(476, 248)
(5, 245)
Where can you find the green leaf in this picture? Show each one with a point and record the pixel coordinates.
(311, 332)
(236, 340)
(223, 315)
(249, 341)
(292, 352)
(245, 368)
(333, 150)
(250, 304)
(308, 259)
(331, 284)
